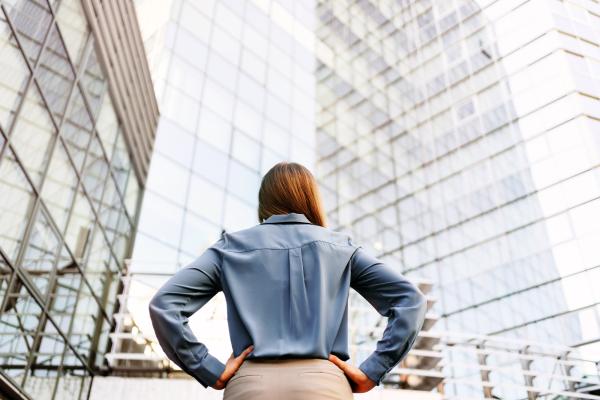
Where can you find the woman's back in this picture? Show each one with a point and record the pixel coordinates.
(286, 282)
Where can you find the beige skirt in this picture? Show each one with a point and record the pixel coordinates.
(290, 379)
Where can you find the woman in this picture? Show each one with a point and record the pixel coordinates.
(286, 283)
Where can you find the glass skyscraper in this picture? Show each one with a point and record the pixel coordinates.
(458, 140)
(72, 172)
(235, 83)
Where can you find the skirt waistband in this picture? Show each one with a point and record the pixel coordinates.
(279, 362)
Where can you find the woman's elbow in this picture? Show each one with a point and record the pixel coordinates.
(419, 305)
(156, 305)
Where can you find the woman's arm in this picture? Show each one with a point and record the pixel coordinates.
(393, 296)
(180, 297)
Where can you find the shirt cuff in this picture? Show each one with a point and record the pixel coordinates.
(373, 368)
(209, 371)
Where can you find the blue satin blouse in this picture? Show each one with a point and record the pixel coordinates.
(286, 283)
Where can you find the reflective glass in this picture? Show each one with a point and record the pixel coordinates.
(55, 74)
(77, 130)
(31, 19)
(170, 179)
(132, 195)
(166, 224)
(33, 135)
(41, 254)
(108, 215)
(93, 83)
(18, 324)
(60, 186)
(214, 129)
(14, 75)
(246, 150)
(210, 163)
(74, 380)
(47, 357)
(16, 205)
(80, 225)
(63, 291)
(205, 199)
(73, 27)
(107, 126)
(122, 235)
(84, 324)
(174, 142)
(95, 172)
(238, 214)
(243, 182)
(198, 234)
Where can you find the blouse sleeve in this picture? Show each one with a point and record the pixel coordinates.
(180, 297)
(393, 296)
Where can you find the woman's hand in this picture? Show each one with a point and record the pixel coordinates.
(231, 367)
(359, 382)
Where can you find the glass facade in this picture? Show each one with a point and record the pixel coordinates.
(454, 139)
(68, 201)
(235, 84)
(458, 141)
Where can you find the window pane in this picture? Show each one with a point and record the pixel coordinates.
(18, 323)
(246, 150)
(244, 182)
(59, 187)
(40, 381)
(14, 75)
(55, 74)
(169, 178)
(84, 323)
(41, 253)
(165, 223)
(205, 199)
(15, 207)
(210, 163)
(33, 135)
(109, 209)
(120, 163)
(80, 226)
(63, 295)
(31, 20)
(74, 380)
(131, 195)
(73, 27)
(198, 234)
(95, 172)
(122, 234)
(93, 83)
(107, 126)
(238, 215)
(77, 130)
(174, 142)
(214, 129)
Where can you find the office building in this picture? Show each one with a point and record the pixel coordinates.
(236, 92)
(77, 123)
(458, 140)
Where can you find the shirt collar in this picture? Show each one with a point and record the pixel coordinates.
(287, 218)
